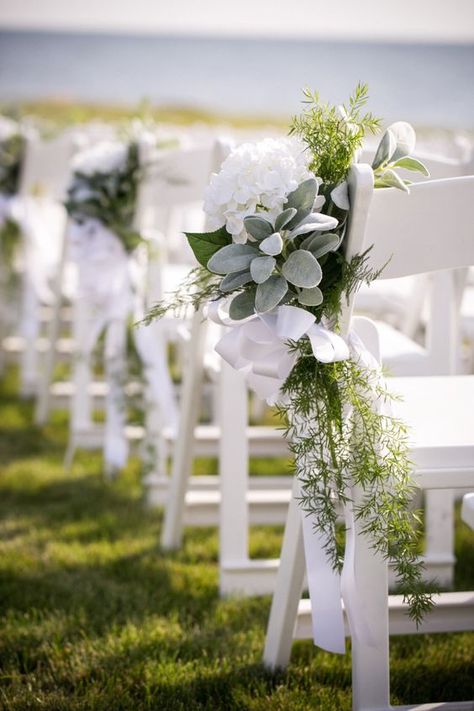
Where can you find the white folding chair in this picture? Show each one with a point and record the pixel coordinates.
(437, 409)
(238, 573)
(173, 179)
(440, 354)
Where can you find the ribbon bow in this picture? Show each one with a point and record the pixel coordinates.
(259, 345)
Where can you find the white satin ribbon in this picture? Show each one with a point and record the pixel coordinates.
(259, 348)
(259, 345)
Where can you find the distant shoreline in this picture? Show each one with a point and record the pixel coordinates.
(426, 84)
(122, 33)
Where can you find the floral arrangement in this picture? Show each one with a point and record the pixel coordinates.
(11, 155)
(275, 265)
(104, 188)
(12, 145)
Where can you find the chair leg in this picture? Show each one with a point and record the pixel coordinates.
(115, 441)
(233, 470)
(29, 329)
(46, 376)
(287, 595)
(183, 448)
(370, 647)
(80, 409)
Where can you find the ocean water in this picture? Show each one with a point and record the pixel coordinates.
(425, 84)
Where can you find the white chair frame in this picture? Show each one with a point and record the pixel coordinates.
(436, 468)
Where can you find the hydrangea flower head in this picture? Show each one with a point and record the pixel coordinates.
(255, 177)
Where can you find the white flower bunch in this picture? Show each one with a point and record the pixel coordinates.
(8, 128)
(255, 177)
(104, 157)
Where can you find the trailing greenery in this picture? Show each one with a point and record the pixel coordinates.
(343, 442)
(110, 198)
(199, 287)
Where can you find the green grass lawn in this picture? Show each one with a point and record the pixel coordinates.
(94, 616)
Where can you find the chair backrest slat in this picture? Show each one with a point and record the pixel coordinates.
(427, 230)
(424, 231)
(174, 177)
(46, 168)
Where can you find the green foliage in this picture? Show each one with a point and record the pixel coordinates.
(199, 287)
(110, 198)
(334, 134)
(11, 156)
(205, 244)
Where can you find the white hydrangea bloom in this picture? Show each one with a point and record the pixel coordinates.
(104, 157)
(255, 177)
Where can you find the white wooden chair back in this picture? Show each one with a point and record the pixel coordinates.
(46, 167)
(437, 291)
(410, 245)
(424, 231)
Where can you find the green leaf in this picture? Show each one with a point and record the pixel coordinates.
(235, 280)
(311, 297)
(314, 222)
(232, 258)
(205, 244)
(242, 305)
(412, 164)
(261, 268)
(389, 179)
(303, 197)
(385, 150)
(270, 293)
(405, 139)
(302, 269)
(302, 200)
(319, 245)
(272, 245)
(340, 196)
(284, 217)
(258, 227)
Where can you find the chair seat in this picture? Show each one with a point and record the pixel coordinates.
(439, 412)
(385, 296)
(400, 354)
